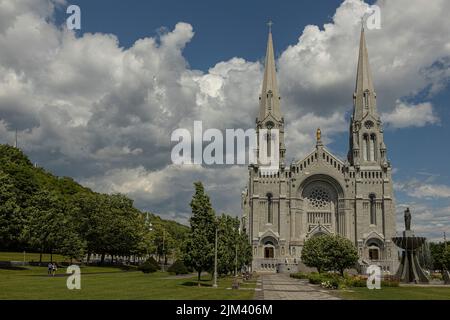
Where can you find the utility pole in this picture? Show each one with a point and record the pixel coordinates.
(215, 261)
(236, 262)
(163, 250)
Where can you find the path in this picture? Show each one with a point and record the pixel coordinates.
(282, 287)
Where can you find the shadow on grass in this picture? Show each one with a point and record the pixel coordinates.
(12, 268)
(195, 283)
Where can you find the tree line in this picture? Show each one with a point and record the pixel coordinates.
(40, 212)
(43, 213)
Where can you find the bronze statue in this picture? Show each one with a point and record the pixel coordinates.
(318, 134)
(407, 219)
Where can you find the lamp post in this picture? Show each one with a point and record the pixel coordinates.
(163, 250)
(236, 251)
(215, 261)
(236, 262)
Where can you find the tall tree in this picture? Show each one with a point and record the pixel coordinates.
(11, 215)
(199, 246)
(45, 221)
(245, 253)
(228, 242)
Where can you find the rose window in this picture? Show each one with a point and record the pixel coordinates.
(319, 198)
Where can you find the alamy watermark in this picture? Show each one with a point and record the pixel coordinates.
(74, 280)
(238, 146)
(372, 17)
(73, 22)
(374, 279)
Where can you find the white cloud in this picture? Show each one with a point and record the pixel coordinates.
(427, 220)
(410, 115)
(88, 108)
(418, 189)
(173, 186)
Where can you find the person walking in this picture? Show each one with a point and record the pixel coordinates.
(49, 268)
(54, 268)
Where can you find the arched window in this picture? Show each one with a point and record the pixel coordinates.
(269, 100)
(372, 150)
(269, 208)
(366, 99)
(373, 212)
(269, 144)
(365, 147)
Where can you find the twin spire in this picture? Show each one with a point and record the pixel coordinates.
(270, 98)
(364, 96)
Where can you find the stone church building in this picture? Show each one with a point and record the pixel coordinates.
(322, 194)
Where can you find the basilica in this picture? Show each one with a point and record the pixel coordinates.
(322, 194)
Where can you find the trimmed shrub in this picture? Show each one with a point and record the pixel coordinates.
(299, 275)
(390, 283)
(178, 267)
(149, 266)
(316, 278)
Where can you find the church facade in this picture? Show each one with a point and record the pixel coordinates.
(322, 194)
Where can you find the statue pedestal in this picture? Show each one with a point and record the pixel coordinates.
(410, 270)
(446, 276)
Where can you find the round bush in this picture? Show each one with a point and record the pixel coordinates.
(178, 267)
(149, 266)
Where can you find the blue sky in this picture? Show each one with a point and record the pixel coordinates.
(99, 104)
(224, 29)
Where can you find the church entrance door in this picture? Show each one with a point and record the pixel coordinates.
(268, 253)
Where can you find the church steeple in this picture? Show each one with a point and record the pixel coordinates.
(364, 96)
(269, 99)
(270, 116)
(366, 131)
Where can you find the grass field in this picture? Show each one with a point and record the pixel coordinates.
(114, 283)
(396, 293)
(19, 256)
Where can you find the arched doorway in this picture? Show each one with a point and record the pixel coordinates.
(374, 247)
(269, 252)
(269, 245)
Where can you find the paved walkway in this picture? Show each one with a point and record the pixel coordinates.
(282, 287)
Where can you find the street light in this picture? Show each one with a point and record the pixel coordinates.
(215, 260)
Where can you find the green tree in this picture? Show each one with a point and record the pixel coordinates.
(72, 246)
(446, 258)
(313, 254)
(199, 246)
(341, 254)
(437, 254)
(11, 215)
(228, 242)
(244, 251)
(45, 221)
(329, 253)
(163, 242)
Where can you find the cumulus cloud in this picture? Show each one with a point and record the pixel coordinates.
(161, 187)
(410, 115)
(419, 189)
(427, 220)
(88, 108)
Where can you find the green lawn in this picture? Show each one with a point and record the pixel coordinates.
(114, 283)
(19, 256)
(396, 293)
